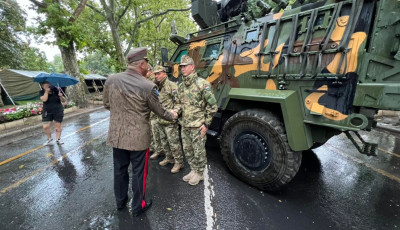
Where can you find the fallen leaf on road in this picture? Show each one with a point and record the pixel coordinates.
(21, 166)
(280, 201)
(169, 209)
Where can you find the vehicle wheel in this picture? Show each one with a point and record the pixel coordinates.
(255, 148)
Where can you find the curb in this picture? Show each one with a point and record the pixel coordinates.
(392, 130)
(31, 128)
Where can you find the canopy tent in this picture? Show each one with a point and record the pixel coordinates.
(18, 85)
(94, 82)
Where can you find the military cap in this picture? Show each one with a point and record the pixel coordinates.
(158, 69)
(137, 54)
(186, 60)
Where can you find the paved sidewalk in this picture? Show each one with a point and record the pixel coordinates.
(22, 132)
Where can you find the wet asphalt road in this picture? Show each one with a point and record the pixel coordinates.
(70, 187)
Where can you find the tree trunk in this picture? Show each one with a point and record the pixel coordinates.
(75, 93)
(117, 44)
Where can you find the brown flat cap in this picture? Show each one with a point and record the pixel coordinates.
(137, 54)
(158, 69)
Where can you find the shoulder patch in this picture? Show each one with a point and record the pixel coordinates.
(174, 91)
(158, 94)
(206, 87)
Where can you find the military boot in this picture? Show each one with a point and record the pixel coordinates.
(177, 167)
(166, 161)
(196, 178)
(188, 176)
(155, 155)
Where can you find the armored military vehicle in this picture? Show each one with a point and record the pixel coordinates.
(288, 80)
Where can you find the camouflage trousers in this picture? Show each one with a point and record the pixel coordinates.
(151, 148)
(170, 142)
(156, 137)
(194, 148)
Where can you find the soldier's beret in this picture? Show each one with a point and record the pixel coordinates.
(137, 54)
(158, 69)
(186, 60)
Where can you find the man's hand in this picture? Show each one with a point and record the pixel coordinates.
(175, 114)
(60, 94)
(203, 131)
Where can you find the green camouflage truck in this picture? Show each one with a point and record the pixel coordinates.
(290, 79)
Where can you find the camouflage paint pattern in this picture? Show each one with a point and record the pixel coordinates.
(332, 52)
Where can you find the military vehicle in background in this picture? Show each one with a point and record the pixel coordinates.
(290, 79)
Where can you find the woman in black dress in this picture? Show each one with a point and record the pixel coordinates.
(53, 110)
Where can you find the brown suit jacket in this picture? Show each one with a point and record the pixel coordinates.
(130, 97)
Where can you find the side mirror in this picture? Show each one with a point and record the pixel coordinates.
(164, 55)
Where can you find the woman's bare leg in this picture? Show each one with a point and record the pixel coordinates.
(58, 129)
(47, 129)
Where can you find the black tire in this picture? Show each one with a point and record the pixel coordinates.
(271, 163)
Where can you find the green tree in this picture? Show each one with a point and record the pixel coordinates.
(155, 33)
(60, 18)
(12, 23)
(129, 19)
(34, 59)
(97, 63)
(57, 64)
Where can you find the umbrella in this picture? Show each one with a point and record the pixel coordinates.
(56, 79)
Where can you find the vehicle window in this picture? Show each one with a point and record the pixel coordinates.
(178, 58)
(212, 51)
(251, 35)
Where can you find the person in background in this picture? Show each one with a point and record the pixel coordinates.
(169, 130)
(53, 111)
(130, 97)
(155, 147)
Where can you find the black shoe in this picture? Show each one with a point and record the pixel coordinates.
(122, 205)
(146, 207)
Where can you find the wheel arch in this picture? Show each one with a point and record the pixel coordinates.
(284, 103)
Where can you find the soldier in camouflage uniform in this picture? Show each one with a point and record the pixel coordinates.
(169, 131)
(156, 146)
(197, 105)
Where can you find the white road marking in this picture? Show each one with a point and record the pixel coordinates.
(208, 196)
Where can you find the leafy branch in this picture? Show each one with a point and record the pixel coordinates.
(138, 23)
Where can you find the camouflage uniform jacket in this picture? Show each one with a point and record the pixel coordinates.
(168, 92)
(196, 102)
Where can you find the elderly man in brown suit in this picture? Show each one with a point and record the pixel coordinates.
(130, 97)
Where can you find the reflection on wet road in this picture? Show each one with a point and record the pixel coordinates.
(71, 186)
